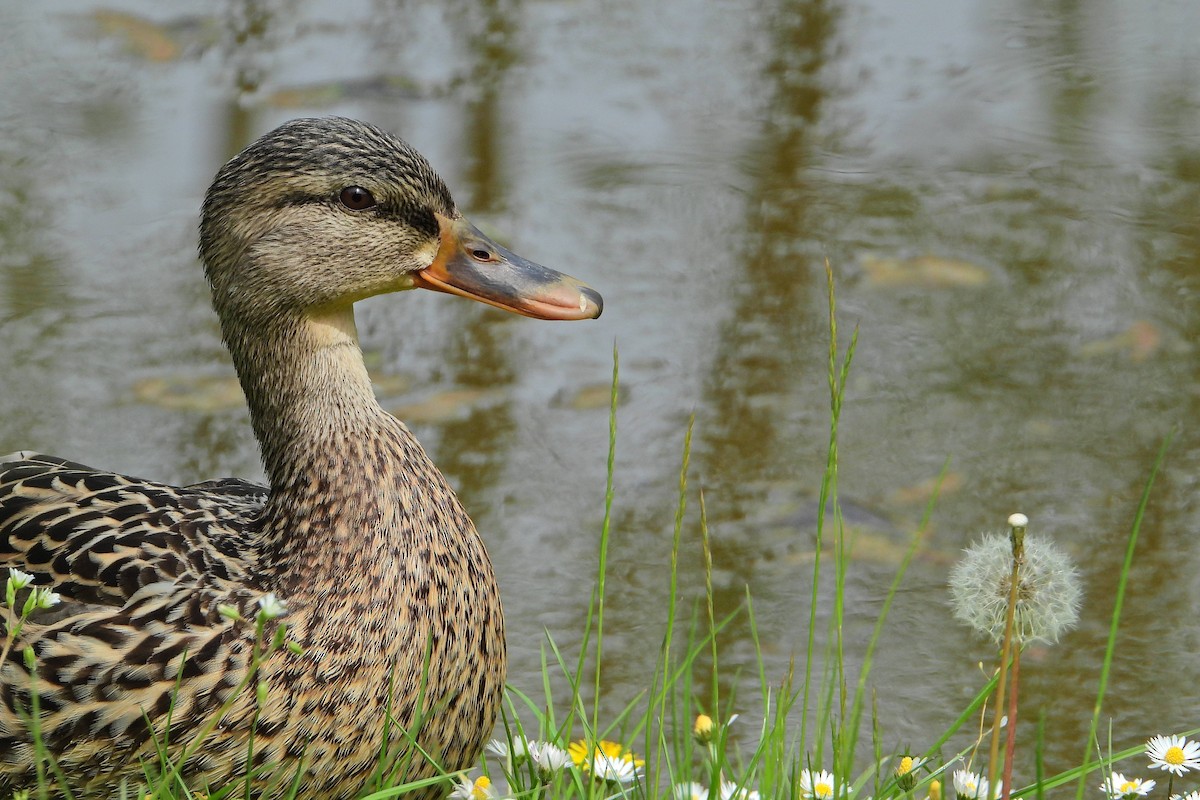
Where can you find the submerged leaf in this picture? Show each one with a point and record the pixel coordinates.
(926, 271)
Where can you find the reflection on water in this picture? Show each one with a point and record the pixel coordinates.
(1008, 194)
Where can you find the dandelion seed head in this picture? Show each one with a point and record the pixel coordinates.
(1048, 589)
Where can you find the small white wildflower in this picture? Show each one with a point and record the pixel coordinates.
(271, 607)
(819, 785)
(1117, 786)
(614, 769)
(606, 761)
(46, 598)
(969, 786)
(18, 580)
(478, 789)
(550, 758)
(1192, 795)
(500, 749)
(731, 791)
(689, 791)
(1018, 521)
(1173, 753)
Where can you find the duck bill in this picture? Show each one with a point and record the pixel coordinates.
(470, 264)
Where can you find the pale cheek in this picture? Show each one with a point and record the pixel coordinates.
(424, 255)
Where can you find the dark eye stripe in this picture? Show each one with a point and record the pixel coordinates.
(417, 216)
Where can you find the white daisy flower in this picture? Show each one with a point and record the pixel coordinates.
(500, 749)
(818, 785)
(18, 580)
(1117, 786)
(614, 769)
(478, 789)
(271, 607)
(731, 791)
(969, 786)
(1192, 795)
(1173, 753)
(550, 758)
(689, 791)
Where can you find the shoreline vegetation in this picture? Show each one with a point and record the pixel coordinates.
(673, 740)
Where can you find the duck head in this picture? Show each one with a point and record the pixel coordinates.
(320, 213)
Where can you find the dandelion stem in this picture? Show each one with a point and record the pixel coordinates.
(1010, 744)
(1018, 538)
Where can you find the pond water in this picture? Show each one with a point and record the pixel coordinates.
(1007, 193)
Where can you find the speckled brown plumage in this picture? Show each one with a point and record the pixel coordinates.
(389, 588)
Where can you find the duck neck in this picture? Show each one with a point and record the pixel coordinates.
(307, 388)
(345, 476)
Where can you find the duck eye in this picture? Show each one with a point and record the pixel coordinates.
(356, 198)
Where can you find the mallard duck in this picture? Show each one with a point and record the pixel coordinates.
(389, 591)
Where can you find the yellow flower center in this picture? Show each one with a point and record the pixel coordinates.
(1129, 786)
(823, 790)
(704, 725)
(605, 750)
(611, 749)
(905, 767)
(1174, 756)
(479, 789)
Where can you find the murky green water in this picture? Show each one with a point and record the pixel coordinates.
(1008, 194)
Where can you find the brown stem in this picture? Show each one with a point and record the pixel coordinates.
(1017, 536)
(1005, 654)
(1010, 743)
